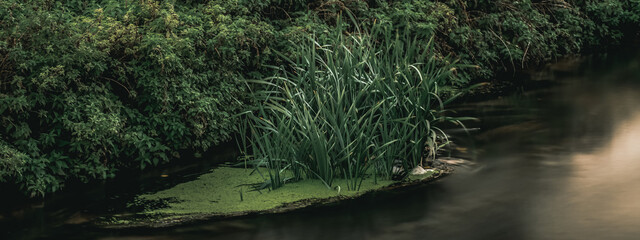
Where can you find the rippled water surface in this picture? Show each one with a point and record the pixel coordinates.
(560, 162)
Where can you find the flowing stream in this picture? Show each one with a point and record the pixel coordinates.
(556, 162)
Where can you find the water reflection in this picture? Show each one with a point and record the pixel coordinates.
(601, 196)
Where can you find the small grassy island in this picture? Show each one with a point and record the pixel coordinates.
(224, 193)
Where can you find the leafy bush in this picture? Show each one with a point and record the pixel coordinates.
(86, 90)
(507, 35)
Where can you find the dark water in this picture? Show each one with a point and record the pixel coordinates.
(561, 162)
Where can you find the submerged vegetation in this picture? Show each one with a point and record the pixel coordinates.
(93, 86)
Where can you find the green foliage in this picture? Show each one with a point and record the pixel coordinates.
(88, 87)
(507, 35)
(11, 162)
(611, 18)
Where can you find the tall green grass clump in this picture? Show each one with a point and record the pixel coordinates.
(349, 107)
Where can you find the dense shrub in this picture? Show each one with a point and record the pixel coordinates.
(91, 86)
(507, 35)
(87, 89)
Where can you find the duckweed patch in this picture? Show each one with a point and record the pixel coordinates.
(224, 192)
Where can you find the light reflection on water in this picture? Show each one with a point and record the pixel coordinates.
(601, 196)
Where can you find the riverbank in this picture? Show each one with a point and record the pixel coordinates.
(224, 193)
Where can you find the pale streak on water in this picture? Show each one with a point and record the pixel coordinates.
(601, 196)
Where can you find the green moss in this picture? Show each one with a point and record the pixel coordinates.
(220, 192)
